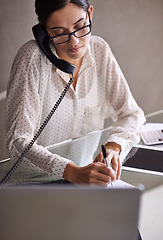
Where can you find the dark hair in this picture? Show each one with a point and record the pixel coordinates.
(44, 8)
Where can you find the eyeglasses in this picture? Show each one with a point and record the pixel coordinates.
(79, 33)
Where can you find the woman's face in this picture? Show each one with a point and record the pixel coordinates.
(67, 20)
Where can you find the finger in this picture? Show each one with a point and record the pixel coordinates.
(114, 162)
(99, 158)
(100, 177)
(106, 170)
(109, 157)
(119, 169)
(98, 173)
(112, 174)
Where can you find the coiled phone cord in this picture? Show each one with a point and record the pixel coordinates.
(37, 134)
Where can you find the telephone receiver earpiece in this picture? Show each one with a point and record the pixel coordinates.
(42, 40)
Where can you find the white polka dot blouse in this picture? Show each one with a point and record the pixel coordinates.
(101, 92)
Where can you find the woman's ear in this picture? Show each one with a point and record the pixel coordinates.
(90, 12)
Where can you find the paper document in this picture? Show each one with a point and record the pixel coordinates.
(120, 184)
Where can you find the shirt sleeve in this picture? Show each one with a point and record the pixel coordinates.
(23, 116)
(128, 118)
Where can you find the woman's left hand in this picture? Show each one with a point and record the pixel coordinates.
(113, 159)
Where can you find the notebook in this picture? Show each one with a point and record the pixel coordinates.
(48, 212)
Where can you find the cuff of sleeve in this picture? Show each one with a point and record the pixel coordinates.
(59, 166)
(125, 145)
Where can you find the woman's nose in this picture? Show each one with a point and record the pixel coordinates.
(73, 40)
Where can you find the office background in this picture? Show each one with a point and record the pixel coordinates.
(133, 28)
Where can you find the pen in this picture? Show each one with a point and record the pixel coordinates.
(105, 156)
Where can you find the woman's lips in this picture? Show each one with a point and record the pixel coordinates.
(75, 50)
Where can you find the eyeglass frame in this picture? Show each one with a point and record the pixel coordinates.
(73, 33)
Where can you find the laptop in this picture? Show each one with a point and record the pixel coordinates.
(48, 212)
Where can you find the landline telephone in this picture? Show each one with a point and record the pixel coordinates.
(42, 40)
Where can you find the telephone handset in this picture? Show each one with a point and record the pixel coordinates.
(42, 40)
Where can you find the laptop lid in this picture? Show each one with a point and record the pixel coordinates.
(68, 212)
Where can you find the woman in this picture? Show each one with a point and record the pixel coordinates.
(99, 91)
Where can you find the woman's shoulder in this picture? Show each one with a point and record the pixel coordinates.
(29, 51)
(29, 47)
(98, 42)
(99, 49)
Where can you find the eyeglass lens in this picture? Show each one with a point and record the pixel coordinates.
(78, 33)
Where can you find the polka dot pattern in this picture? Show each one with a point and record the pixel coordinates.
(34, 87)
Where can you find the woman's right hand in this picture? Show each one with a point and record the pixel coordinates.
(94, 173)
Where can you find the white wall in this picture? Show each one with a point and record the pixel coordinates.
(133, 28)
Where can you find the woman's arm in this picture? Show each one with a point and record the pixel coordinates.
(24, 110)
